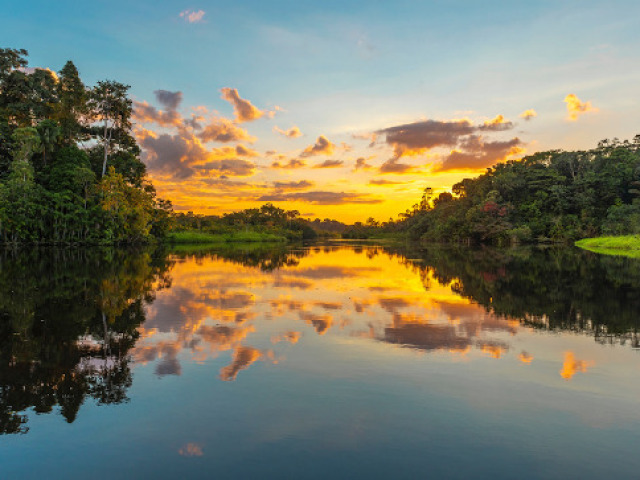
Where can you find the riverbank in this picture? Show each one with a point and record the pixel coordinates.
(626, 245)
(192, 237)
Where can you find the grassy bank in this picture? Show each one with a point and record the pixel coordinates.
(627, 245)
(193, 237)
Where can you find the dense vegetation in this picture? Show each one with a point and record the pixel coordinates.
(553, 196)
(266, 223)
(69, 167)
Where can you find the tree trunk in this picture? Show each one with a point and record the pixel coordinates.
(104, 162)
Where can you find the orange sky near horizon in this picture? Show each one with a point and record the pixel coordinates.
(211, 164)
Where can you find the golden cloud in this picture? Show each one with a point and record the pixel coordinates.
(293, 163)
(323, 146)
(321, 198)
(243, 357)
(571, 366)
(576, 107)
(330, 164)
(223, 130)
(244, 110)
(293, 132)
(528, 114)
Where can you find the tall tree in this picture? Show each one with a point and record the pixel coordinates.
(112, 109)
(73, 102)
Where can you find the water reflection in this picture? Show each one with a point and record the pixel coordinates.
(73, 324)
(68, 320)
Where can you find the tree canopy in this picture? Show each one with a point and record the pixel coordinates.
(70, 170)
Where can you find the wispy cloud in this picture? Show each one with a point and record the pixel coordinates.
(321, 198)
(192, 16)
(330, 164)
(293, 132)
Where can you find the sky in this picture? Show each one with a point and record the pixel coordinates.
(344, 109)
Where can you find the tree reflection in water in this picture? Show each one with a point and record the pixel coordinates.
(68, 321)
(72, 322)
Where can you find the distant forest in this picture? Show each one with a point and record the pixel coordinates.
(70, 170)
(553, 196)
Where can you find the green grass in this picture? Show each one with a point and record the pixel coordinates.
(193, 237)
(626, 245)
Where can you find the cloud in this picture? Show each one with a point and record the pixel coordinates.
(223, 130)
(293, 132)
(361, 163)
(498, 123)
(243, 357)
(571, 366)
(528, 114)
(293, 163)
(171, 154)
(427, 337)
(393, 165)
(234, 167)
(192, 16)
(416, 138)
(383, 182)
(469, 149)
(169, 100)
(330, 164)
(322, 147)
(321, 323)
(182, 155)
(371, 137)
(244, 110)
(576, 107)
(243, 151)
(477, 153)
(301, 185)
(290, 336)
(321, 198)
(145, 113)
(191, 450)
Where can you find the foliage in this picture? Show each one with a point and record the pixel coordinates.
(268, 219)
(627, 245)
(69, 167)
(195, 237)
(553, 196)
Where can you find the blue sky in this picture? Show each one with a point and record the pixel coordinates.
(342, 68)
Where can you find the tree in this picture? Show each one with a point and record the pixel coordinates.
(49, 132)
(113, 109)
(73, 103)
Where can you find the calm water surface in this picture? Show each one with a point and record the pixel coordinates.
(337, 361)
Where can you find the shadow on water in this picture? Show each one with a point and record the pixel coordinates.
(69, 319)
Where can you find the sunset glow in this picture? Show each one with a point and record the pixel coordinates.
(353, 114)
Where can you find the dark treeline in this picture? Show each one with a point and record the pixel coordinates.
(553, 196)
(68, 318)
(266, 219)
(69, 167)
